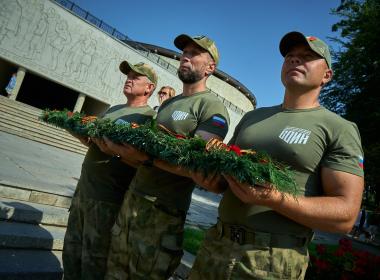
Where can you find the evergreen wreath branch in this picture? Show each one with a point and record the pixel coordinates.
(252, 167)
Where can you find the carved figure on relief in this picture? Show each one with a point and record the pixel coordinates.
(31, 13)
(38, 39)
(111, 78)
(88, 48)
(58, 42)
(10, 15)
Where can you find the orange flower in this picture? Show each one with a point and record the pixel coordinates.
(88, 119)
(134, 125)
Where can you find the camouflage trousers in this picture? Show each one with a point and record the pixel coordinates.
(219, 258)
(88, 237)
(146, 240)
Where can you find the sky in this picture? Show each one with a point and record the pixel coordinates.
(246, 32)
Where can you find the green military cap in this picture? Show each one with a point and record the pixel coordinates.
(317, 45)
(140, 68)
(204, 42)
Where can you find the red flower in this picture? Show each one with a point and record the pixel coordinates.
(179, 136)
(70, 114)
(345, 244)
(322, 264)
(321, 249)
(340, 252)
(359, 270)
(235, 149)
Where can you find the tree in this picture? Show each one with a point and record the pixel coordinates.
(355, 88)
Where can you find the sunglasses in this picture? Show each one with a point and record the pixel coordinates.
(164, 93)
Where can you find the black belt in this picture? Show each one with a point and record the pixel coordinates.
(242, 235)
(170, 210)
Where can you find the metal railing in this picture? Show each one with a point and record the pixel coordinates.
(67, 4)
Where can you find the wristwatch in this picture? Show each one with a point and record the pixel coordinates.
(149, 161)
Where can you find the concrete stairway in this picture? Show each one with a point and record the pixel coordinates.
(33, 222)
(32, 228)
(22, 120)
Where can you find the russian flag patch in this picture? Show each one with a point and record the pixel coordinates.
(361, 162)
(218, 121)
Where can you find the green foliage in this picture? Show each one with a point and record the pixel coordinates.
(353, 92)
(193, 239)
(255, 168)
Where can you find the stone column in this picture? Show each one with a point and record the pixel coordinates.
(20, 77)
(80, 101)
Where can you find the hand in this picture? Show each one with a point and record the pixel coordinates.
(126, 151)
(264, 194)
(213, 182)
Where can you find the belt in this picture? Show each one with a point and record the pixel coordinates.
(242, 235)
(170, 210)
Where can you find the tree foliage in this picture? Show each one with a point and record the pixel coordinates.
(353, 92)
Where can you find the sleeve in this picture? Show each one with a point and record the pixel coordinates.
(345, 152)
(236, 131)
(214, 119)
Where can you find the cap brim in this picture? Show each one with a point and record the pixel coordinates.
(182, 41)
(290, 40)
(125, 67)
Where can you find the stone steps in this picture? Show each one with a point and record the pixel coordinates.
(59, 197)
(33, 119)
(22, 120)
(36, 136)
(17, 264)
(13, 210)
(29, 236)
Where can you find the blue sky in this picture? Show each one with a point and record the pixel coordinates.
(247, 33)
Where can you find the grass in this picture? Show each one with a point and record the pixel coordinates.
(193, 238)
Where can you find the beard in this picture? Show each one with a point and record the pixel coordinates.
(188, 76)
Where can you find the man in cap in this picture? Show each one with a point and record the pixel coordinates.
(103, 182)
(261, 233)
(148, 234)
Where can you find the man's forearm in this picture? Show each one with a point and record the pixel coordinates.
(175, 169)
(325, 213)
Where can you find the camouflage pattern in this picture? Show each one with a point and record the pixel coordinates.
(204, 42)
(88, 238)
(140, 68)
(146, 241)
(317, 45)
(221, 259)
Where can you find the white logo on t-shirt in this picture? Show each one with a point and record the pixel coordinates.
(294, 135)
(179, 115)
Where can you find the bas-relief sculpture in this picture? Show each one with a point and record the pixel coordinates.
(42, 37)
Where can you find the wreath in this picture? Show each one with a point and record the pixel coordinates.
(247, 166)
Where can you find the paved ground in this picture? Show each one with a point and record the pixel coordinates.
(27, 162)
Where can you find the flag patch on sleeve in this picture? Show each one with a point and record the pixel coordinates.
(218, 121)
(361, 162)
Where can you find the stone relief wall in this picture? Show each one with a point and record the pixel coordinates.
(44, 38)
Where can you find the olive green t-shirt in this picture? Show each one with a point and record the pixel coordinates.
(182, 115)
(303, 139)
(104, 177)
